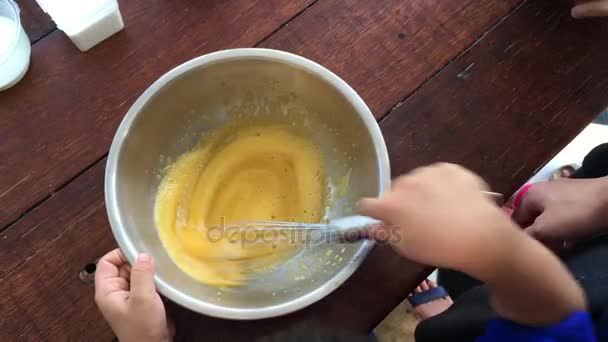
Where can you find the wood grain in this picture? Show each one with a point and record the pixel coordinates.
(36, 23)
(81, 115)
(42, 255)
(76, 100)
(502, 108)
(511, 102)
(386, 49)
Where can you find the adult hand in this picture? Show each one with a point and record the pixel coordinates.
(127, 298)
(590, 8)
(565, 210)
(438, 216)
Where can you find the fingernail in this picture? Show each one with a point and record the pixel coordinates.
(144, 258)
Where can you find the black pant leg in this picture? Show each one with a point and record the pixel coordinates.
(455, 282)
(469, 316)
(595, 164)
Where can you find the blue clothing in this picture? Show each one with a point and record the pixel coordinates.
(576, 328)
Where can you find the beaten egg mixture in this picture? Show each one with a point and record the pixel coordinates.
(236, 174)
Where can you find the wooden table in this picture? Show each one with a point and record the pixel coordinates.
(497, 85)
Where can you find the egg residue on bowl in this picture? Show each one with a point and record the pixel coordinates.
(238, 173)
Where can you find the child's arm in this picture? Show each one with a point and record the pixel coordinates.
(528, 284)
(437, 216)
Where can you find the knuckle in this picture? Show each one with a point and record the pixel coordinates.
(137, 298)
(412, 183)
(141, 269)
(533, 193)
(443, 164)
(140, 300)
(406, 180)
(452, 167)
(442, 168)
(533, 197)
(449, 167)
(415, 172)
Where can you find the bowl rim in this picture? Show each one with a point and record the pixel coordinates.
(128, 247)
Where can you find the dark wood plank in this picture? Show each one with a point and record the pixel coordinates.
(66, 153)
(40, 260)
(79, 128)
(41, 257)
(61, 117)
(544, 88)
(36, 23)
(511, 102)
(386, 49)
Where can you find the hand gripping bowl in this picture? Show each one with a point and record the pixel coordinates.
(172, 115)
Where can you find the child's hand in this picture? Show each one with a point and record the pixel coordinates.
(438, 216)
(590, 8)
(127, 298)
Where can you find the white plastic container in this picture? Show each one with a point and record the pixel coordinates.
(86, 22)
(15, 46)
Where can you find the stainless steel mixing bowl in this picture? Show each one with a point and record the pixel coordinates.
(176, 111)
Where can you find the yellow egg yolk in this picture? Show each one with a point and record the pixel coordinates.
(238, 174)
